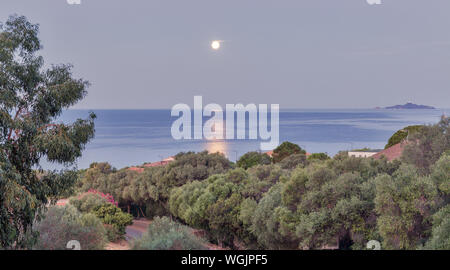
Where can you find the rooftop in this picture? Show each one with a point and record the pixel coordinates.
(391, 153)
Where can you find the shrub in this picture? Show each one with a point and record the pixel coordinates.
(62, 224)
(112, 233)
(108, 197)
(318, 156)
(251, 159)
(87, 202)
(105, 208)
(112, 215)
(165, 234)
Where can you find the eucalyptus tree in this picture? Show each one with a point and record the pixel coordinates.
(32, 96)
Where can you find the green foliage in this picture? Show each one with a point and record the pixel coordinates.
(112, 233)
(318, 156)
(440, 236)
(404, 203)
(153, 186)
(165, 234)
(322, 208)
(31, 99)
(425, 147)
(286, 149)
(402, 134)
(212, 205)
(297, 203)
(266, 222)
(87, 202)
(215, 204)
(114, 218)
(112, 215)
(366, 167)
(293, 161)
(440, 174)
(154, 209)
(248, 208)
(251, 159)
(93, 178)
(62, 224)
(260, 179)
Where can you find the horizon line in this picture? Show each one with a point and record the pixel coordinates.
(317, 108)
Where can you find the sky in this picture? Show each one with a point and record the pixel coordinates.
(142, 54)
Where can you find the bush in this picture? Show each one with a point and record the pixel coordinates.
(105, 208)
(318, 156)
(251, 159)
(112, 233)
(108, 197)
(114, 216)
(62, 224)
(87, 202)
(165, 234)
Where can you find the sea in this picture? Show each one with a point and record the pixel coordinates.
(133, 137)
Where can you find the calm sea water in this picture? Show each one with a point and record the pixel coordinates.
(132, 137)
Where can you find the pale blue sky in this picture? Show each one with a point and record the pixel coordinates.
(298, 53)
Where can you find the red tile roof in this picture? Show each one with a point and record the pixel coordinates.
(153, 164)
(157, 163)
(391, 153)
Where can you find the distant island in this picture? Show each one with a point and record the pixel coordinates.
(410, 105)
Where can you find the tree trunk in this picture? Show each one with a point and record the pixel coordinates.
(141, 211)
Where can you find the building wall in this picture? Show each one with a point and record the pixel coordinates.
(361, 154)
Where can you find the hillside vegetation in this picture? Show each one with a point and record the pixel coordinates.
(297, 203)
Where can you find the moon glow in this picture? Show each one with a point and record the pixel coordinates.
(215, 45)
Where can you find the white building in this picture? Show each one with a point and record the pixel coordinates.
(364, 154)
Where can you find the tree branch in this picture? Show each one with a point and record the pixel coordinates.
(15, 117)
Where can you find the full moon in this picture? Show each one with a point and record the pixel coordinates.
(215, 44)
